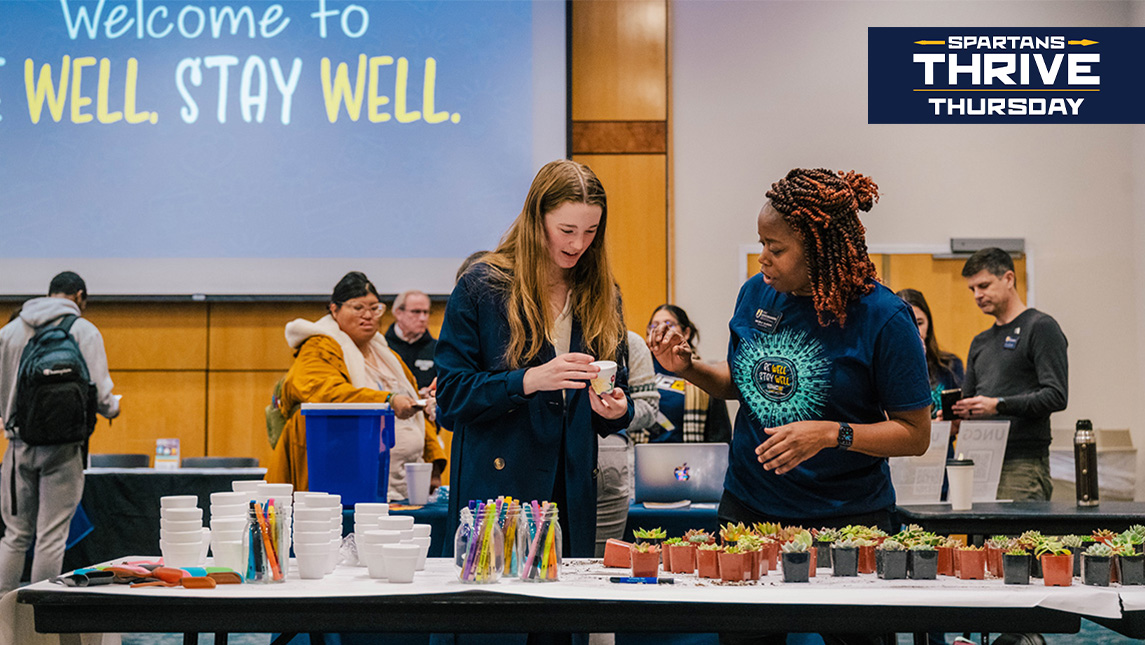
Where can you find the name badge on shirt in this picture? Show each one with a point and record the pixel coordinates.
(766, 321)
(1012, 341)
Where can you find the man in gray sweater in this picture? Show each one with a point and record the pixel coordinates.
(40, 486)
(1017, 371)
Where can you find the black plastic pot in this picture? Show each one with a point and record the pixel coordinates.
(1035, 567)
(823, 554)
(893, 564)
(923, 565)
(845, 561)
(1096, 570)
(1016, 569)
(1132, 569)
(796, 566)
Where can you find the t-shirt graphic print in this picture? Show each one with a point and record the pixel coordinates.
(782, 377)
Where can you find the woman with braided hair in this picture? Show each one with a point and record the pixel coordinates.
(824, 360)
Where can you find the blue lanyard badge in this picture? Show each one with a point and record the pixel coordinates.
(766, 321)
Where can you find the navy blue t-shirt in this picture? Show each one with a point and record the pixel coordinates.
(788, 368)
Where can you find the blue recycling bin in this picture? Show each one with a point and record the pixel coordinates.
(348, 449)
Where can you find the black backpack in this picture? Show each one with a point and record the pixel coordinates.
(55, 398)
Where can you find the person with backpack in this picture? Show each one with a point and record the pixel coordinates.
(53, 380)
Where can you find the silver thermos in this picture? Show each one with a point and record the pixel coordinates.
(1085, 463)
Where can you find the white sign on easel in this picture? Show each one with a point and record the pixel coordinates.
(985, 443)
(918, 480)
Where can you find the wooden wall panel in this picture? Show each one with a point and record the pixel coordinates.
(619, 60)
(236, 426)
(637, 229)
(152, 336)
(156, 405)
(956, 318)
(251, 336)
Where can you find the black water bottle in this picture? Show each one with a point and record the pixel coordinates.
(1085, 463)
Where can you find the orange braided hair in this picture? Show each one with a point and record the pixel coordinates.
(822, 207)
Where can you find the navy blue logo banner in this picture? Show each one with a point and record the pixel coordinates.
(1005, 75)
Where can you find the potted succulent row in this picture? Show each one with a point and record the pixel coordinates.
(1029, 542)
(1130, 560)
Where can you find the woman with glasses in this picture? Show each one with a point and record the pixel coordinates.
(521, 329)
(687, 412)
(341, 358)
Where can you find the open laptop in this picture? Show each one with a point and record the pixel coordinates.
(670, 472)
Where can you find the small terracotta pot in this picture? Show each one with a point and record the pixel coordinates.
(617, 553)
(1057, 570)
(666, 556)
(814, 562)
(708, 562)
(973, 565)
(753, 563)
(867, 562)
(771, 555)
(645, 565)
(957, 560)
(994, 561)
(683, 558)
(732, 566)
(945, 561)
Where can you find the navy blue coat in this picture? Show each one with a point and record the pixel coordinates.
(504, 442)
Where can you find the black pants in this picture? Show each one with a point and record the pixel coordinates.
(731, 510)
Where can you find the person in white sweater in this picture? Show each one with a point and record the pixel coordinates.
(613, 483)
(41, 486)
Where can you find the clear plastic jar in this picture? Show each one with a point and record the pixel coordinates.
(510, 523)
(539, 542)
(480, 551)
(266, 545)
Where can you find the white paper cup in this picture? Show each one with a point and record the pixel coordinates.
(179, 501)
(312, 565)
(230, 510)
(180, 525)
(422, 530)
(228, 498)
(375, 558)
(423, 550)
(246, 486)
(606, 379)
(371, 508)
(304, 526)
(380, 537)
(182, 555)
(311, 537)
(417, 482)
(228, 523)
(401, 561)
(323, 500)
(310, 514)
(229, 554)
(194, 513)
(181, 537)
(285, 491)
(960, 475)
(396, 523)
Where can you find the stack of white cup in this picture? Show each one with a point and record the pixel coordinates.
(183, 540)
(229, 512)
(317, 533)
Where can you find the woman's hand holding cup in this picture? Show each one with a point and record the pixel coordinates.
(570, 371)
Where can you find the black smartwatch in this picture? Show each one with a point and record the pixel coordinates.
(846, 436)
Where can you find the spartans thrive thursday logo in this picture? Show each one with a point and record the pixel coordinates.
(782, 377)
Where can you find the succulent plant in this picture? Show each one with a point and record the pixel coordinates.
(799, 542)
(767, 528)
(732, 532)
(846, 543)
(650, 534)
(1099, 549)
(892, 544)
(710, 546)
(1135, 534)
(673, 541)
(826, 534)
(1071, 541)
(1016, 550)
(1051, 547)
(1029, 540)
(921, 546)
(698, 536)
(645, 547)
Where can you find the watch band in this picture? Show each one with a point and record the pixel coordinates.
(846, 436)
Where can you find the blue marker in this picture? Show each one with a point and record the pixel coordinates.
(641, 581)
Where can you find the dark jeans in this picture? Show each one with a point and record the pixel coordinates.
(731, 510)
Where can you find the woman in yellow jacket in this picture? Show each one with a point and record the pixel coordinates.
(342, 358)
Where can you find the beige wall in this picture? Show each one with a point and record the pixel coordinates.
(762, 87)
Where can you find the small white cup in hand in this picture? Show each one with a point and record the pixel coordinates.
(605, 381)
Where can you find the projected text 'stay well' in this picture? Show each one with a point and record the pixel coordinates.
(378, 88)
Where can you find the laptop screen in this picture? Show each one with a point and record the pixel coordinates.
(671, 472)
